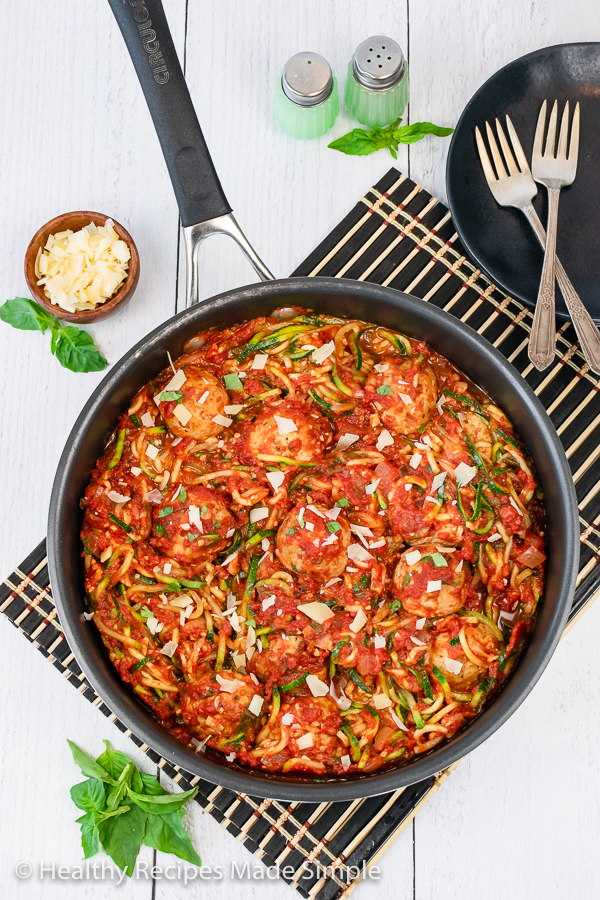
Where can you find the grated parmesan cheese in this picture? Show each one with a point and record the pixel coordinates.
(221, 420)
(320, 355)
(259, 361)
(255, 706)
(346, 441)
(318, 612)
(182, 413)
(385, 439)
(275, 479)
(412, 557)
(261, 512)
(453, 665)
(285, 426)
(83, 269)
(317, 687)
(305, 741)
(359, 621)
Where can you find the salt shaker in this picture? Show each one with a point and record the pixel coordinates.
(377, 85)
(306, 101)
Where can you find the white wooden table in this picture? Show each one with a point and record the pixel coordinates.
(520, 817)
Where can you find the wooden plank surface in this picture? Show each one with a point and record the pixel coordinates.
(518, 818)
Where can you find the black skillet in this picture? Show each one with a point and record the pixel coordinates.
(201, 200)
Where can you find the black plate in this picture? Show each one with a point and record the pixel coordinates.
(499, 239)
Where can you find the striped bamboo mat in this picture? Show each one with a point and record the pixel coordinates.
(397, 235)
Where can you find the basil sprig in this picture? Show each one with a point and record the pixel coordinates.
(362, 141)
(124, 808)
(73, 348)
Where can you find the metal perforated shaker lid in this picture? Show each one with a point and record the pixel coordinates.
(307, 79)
(378, 63)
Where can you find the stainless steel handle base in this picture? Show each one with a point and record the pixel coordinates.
(194, 235)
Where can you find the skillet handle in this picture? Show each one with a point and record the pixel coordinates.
(144, 27)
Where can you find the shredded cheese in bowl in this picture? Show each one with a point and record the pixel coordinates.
(83, 269)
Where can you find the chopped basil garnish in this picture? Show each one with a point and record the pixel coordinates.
(233, 382)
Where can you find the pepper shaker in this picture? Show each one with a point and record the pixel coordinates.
(377, 85)
(306, 101)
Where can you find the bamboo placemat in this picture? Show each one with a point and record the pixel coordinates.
(397, 235)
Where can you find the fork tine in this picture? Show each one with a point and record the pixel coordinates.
(521, 158)
(510, 162)
(564, 132)
(574, 143)
(551, 136)
(485, 160)
(539, 132)
(495, 152)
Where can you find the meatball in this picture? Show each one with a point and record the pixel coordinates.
(413, 516)
(305, 443)
(307, 546)
(209, 709)
(103, 504)
(320, 716)
(284, 660)
(412, 581)
(406, 393)
(175, 531)
(204, 397)
(483, 646)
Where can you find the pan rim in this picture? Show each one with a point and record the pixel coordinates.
(532, 663)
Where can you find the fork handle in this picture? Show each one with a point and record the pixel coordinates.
(542, 341)
(588, 334)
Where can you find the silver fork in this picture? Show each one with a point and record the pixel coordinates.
(554, 172)
(516, 189)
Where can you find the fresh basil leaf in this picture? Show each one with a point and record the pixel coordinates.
(113, 761)
(161, 803)
(166, 396)
(122, 836)
(89, 766)
(75, 350)
(135, 782)
(160, 529)
(438, 560)
(150, 785)
(54, 336)
(333, 527)
(89, 795)
(359, 142)
(410, 134)
(166, 833)
(182, 495)
(165, 512)
(233, 382)
(115, 794)
(25, 314)
(342, 502)
(384, 389)
(203, 510)
(89, 835)
(146, 613)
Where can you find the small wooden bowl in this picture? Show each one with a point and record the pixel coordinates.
(76, 221)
